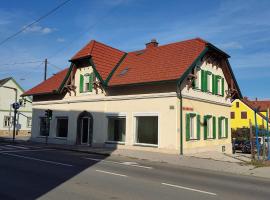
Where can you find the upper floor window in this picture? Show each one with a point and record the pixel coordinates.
(243, 115)
(212, 83)
(232, 115)
(196, 82)
(237, 104)
(86, 82)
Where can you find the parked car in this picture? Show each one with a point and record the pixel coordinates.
(246, 147)
(237, 144)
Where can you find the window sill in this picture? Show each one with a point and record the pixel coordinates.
(146, 145)
(42, 136)
(61, 138)
(115, 142)
(223, 138)
(192, 140)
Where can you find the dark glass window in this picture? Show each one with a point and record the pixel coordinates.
(243, 115)
(232, 115)
(116, 129)
(62, 127)
(147, 130)
(44, 126)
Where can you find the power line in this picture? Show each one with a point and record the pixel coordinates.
(53, 65)
(87, 29)
(22, 63)
(36, 21)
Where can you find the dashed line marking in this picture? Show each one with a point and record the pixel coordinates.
(132, 164)
(106, 172)
(191, 189)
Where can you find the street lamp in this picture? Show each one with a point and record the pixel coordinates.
(15, 109)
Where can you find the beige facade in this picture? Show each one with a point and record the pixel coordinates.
(132, 102)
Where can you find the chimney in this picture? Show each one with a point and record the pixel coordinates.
(151, 44)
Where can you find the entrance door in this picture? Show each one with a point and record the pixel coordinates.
(85, 123)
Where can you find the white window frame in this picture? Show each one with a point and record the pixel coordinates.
(86, 81)
(209, 128)
(9, 121)
(193, 126)
(145, 114)
(29, 122)
(116, 115)
(209, 82)
(223, 128)
(198, 79)
(219, 86)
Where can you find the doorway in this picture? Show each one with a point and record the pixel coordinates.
(85, 129)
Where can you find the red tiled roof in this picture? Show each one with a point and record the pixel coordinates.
(48, 86)
(167, 62)
(104, 57)
(263, 105)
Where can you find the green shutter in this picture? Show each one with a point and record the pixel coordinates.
(198, 127)
(205, 126)
(222, 86)
(202, 80)
(187, 127)
(213, 84)
(226, 127)
(81, 83)
(91, 77)
(219, 127)
(214, 127)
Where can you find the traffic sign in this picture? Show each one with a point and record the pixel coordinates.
(16, 106)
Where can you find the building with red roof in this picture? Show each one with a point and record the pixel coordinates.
(172, 98)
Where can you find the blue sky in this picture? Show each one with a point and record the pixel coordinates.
(241, 28)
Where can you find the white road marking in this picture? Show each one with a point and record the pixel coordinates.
(19, 147)
(191, 189)
(36, 159)
(111, 173)
(132, 164)
(6, 148)
(14, 151)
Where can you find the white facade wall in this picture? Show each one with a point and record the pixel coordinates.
(7, 97)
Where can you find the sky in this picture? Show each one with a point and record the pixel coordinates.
(241, 28)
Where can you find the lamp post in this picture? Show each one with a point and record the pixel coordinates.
(15, 110)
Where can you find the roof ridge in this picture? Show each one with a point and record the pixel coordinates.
(168, 44)
(108, 46)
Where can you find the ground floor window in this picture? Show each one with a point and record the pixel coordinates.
(29, 122)
(209, 127)
(44, 126)
(223, 127)
(147, 130)
(117, 129)
(193, 126)
(8, 121)
(62, 127)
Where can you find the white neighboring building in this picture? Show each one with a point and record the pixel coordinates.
(24, 115)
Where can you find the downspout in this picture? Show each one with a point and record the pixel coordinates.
(179, 95)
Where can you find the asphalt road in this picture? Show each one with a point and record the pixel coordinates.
(31, 172)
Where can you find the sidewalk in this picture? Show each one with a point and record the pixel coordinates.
(209, 160)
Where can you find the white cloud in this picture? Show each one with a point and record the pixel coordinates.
(60, 40)
(230, 45)
(39, 29)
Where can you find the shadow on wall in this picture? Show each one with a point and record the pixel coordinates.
(29, 179)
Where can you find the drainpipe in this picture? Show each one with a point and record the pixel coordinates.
(179, 95)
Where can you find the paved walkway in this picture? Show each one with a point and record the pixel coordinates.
(235, 163)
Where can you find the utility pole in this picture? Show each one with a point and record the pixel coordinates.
(251, 140)
(45, 69)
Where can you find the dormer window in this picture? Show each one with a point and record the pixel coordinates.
(86, 82)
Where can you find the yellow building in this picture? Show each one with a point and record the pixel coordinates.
(242, 111)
